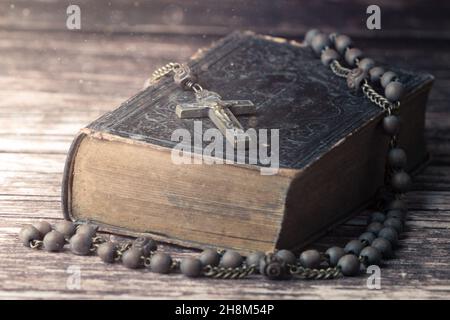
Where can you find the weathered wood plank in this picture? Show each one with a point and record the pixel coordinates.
(38, 163)
(191, 17)
(35, 143)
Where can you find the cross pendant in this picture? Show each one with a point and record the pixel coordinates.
(221, 112)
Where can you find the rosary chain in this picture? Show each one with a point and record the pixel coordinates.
(164, 70)
(378, 99)
(314, 274)
(96, 242)
(339, 70)
(120, 251)
(189, 83)
(367, 89)
(36, 244)
(228, 273)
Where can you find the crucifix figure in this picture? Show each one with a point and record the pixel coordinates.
(221, 112)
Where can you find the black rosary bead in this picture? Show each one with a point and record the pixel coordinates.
(132, 258)
(160, 262)
(328, 55)
(191, 267)
(367, 238)
(87, 229)
(254, 258)
(54, 241)
(80, 244)
(43, 227)
(395, 223)
(375, 74)
(398, 214)
(319, 42)
(310, 259)
(210, 257)
(375, 227)
(354, 247)
(366, 64)
(146, 245)
(342, 42)
(389, 234)
(231, 259)
(391, 125)
(401, 181)
(333, 255)
(349, 265)
(29, 233)
(384, 246)
(387, 78)
(397, 158)
(394, 91)
(377, 216)
(310, 35)
(397, 204)
(352, 55)
(107, 252)
(287, 256)
(371, 256)
(67, 228)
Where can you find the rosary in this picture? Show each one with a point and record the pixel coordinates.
(373, 246)
(208, 103)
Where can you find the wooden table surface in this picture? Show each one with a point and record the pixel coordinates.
(54, 81)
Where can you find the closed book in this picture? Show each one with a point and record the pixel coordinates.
(120, 172)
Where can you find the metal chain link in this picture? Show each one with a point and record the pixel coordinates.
(164, 70)
(173, 67)
(36, 244)
(228, 273)
(314, 274)
(339, 70)
(123, 247)
(367, 89)
(96, 242)
(378, 99)
(148, 259)
(175, 265)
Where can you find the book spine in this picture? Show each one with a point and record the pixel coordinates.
(66, 189)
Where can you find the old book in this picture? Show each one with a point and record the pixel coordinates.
(120, 175)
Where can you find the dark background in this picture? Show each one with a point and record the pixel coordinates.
(54, 81)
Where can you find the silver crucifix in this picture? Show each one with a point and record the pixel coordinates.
(221, 112)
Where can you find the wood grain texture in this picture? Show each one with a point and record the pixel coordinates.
(192, 17)
(53, 82)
